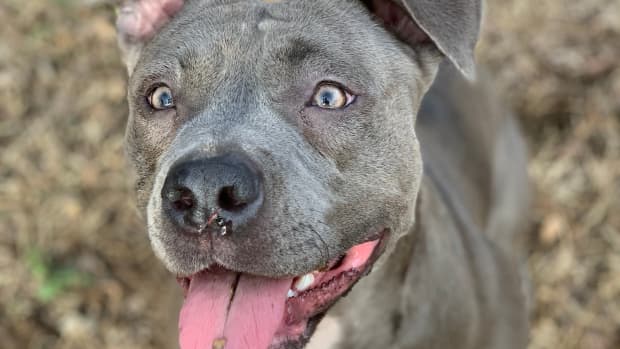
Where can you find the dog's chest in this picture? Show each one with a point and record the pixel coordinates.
(327, 335)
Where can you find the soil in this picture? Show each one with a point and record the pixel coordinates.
(76, 269)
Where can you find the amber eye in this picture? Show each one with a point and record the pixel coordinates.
(161, 98)
(331, 96)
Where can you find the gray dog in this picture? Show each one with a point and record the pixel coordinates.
(283, 150)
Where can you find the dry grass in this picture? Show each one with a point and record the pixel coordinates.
(75, 265)
(558, 63)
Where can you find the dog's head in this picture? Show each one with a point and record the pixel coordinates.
(275, 150)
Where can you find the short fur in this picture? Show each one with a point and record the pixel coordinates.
(452, 191)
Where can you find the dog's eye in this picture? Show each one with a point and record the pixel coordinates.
(161, 98)
(331, 96)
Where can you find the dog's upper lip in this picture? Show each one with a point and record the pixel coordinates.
(380, 236)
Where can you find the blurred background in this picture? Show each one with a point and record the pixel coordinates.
(76, 269)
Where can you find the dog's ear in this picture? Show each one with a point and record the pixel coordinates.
(138, 21)
(451, 25)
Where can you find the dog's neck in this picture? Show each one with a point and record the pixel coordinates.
(436, 246)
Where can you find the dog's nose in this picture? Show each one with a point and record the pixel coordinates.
(228, 187)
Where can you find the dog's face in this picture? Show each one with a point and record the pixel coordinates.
(275, 150)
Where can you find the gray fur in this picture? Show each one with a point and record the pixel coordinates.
(242, 72)
(454, 281)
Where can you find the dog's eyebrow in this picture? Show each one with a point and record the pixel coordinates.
(298, 51)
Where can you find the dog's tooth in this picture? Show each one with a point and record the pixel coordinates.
(304, 282)
(291, 294)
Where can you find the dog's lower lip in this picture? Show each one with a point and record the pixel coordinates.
(333, 283)
(184, 283)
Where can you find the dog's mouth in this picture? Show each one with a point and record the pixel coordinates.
(229, 310)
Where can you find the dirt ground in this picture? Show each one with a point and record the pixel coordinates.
(76, 270)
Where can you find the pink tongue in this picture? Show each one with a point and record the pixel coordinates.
(209, 320)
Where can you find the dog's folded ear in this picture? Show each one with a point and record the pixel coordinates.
(138, 21)
(451, 25)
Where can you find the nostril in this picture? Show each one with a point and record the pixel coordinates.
(182, 199)
(229, 200)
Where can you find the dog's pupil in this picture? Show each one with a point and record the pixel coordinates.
(165, 99)
(327, 98)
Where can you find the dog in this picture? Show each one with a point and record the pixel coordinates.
(289, 153)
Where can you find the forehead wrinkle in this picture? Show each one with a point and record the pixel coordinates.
(198, 54)
(297, 51)
(197, 65)
(265, 19)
